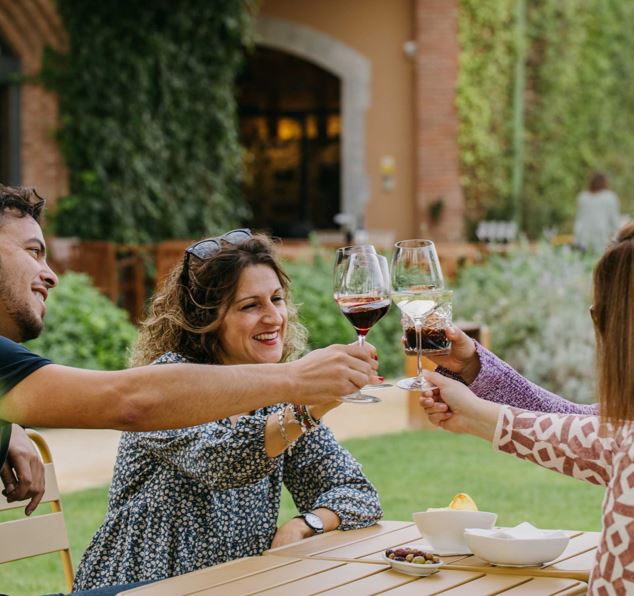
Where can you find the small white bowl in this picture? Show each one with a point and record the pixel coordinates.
(416, 569)
(516, 552)
(444, 528)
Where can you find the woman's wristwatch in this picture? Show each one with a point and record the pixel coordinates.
(313, 521)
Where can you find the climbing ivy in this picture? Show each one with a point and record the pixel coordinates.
(148, 117)
(579, 97)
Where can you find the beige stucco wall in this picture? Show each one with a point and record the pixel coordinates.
(377, 29)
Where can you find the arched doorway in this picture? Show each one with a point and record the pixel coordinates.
(290, 127)
(9, 116)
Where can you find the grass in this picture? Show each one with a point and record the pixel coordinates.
(411, 471)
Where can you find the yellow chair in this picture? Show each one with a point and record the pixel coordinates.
(38, 534)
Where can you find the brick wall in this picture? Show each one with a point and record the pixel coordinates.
(27, 27)
(437, 174)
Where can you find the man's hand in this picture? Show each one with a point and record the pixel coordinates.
(462, 359)
(292, 531)
(466, 412)
(23, 472)
(327, 374)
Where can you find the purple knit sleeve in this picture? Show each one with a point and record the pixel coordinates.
(500, 383)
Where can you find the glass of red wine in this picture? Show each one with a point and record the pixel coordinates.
(362, 291)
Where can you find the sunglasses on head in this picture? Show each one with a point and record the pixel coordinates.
(205, 249)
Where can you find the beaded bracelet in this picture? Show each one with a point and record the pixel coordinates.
(304, 418)
(314, 421)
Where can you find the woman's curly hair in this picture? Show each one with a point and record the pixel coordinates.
(187, 311)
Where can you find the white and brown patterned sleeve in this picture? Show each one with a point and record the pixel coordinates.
(577, 446)
(566, 443)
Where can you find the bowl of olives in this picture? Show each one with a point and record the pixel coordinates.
(412, 561)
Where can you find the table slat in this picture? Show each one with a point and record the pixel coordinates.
(269, 578)
(488, 584)
(330, 540)
(578, 544)
(548, 586)
(365, 548)
(181, 585)
(375, 584)
(325, 581)
(434, 584)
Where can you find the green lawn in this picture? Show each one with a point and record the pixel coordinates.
(411, 471)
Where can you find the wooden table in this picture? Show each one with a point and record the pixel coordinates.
(349, 563)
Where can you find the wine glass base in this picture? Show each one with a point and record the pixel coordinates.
(415, 384)
(361, 398)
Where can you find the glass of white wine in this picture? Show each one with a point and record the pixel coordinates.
(418, 291)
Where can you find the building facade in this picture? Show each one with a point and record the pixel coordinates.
(356, 117)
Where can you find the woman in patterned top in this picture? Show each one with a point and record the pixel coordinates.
(186, 499)
(592, 448)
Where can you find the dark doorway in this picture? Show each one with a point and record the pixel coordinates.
(290, 121)
(9, 116)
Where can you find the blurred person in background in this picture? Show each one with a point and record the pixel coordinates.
(597, 217)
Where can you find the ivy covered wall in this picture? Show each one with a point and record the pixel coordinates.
(579, 96)
(148, 117)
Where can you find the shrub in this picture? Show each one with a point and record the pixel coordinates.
(84, 328)
(579, 101)
(312, 292)
(536, 303)
(148, 117)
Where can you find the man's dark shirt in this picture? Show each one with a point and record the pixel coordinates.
(16, 363)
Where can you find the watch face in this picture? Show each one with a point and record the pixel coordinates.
(313, 521)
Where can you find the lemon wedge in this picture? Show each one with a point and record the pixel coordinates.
(463, 502)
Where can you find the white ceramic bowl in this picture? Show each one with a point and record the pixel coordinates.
(516, 551)
(444, 528)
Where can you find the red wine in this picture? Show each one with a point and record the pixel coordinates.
(362, 312)
(431, 340)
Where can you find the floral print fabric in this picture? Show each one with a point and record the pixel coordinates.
(186, 499)
(577, 446)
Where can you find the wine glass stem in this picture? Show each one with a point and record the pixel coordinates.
(419, 350)
(360, 339)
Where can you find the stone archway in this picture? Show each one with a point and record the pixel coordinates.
(354, 70)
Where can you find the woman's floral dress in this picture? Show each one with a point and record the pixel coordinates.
(186, 499)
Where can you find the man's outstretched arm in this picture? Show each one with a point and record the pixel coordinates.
(172, 396)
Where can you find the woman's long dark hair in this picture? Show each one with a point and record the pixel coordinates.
(613, 314)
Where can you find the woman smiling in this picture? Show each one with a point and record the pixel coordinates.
(186, 499)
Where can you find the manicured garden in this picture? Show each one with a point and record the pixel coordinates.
(411, 471)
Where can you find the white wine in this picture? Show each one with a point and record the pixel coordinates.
(417, 305)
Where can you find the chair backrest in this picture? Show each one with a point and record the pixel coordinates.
(39, 534)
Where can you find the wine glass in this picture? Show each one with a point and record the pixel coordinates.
(362, 291)
(418, 291)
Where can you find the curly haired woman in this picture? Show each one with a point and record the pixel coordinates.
(186, 499)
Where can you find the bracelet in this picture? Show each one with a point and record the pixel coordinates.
(281, 415)
(304, 418)
(315, 421)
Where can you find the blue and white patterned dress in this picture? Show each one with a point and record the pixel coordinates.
(186, 499)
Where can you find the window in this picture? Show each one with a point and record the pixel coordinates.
(9, 116)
